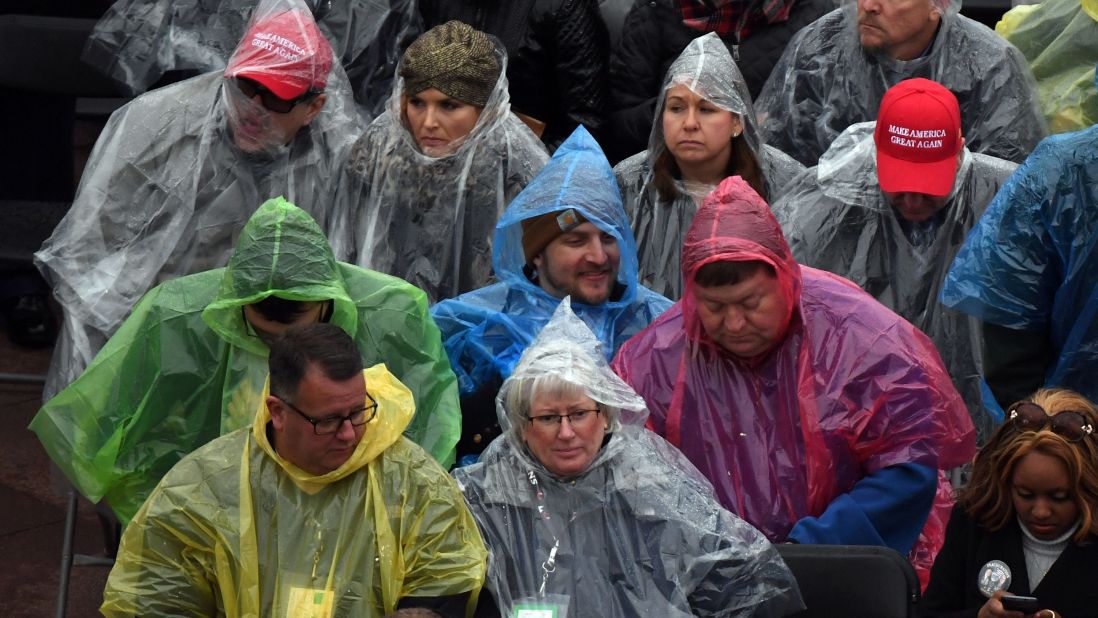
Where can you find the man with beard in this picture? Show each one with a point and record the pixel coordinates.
(836, 70)
(566, 234)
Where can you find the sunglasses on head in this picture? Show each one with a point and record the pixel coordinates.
(1028, 416)
(268, 99)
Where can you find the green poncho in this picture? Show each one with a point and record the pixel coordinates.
(185, 367)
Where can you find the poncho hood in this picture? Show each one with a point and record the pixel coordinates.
(578, 176)
(734, 224)
(394, 411)
(281, 252)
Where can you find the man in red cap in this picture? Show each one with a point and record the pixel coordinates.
(281, 66)
(888, 207)
(178, 171)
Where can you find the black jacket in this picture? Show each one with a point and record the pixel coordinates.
(557, 56)
(654, 35)
(1068, 587)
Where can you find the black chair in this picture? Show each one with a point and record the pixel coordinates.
(852, 580)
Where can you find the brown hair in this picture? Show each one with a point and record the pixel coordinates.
(987, 498)
(742, 163)
(725, 272)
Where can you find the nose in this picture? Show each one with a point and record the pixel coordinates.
(596, 252)
(430, 118)
(566, 430)
(346, 430)
(869, 6)
(734, 320)
(1040, 509)
(691, 120)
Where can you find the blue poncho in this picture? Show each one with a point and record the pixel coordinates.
(485, 331)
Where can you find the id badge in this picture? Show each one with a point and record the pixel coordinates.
(551, 606)
(309, 603)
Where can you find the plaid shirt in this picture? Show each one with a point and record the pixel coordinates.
(738, 17)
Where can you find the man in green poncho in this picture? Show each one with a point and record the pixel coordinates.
(319, 509)
(189, 363)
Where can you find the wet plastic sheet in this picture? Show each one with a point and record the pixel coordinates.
(836, 218)
(639, 533)
(850, 389)
(429, 220)
(485, 331)
(1059, 38)
(825, 82)
(137, 41)
(707, 69)
(185, 368)
(167, 190)
(235, 530)
(1031, 262)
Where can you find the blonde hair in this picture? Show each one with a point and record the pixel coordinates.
(987, 498)
(520, 393)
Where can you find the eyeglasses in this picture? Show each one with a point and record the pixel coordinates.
(268, 99)
(1028, 416)
(330, 424)
(552, 421)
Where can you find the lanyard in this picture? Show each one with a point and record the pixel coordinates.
(549, 565)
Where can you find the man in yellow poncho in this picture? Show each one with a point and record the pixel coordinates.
(319, 509)
(189, 363)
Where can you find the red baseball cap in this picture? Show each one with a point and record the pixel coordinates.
(918, 136)
(285, 52)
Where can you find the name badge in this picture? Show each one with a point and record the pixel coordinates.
(994, 576)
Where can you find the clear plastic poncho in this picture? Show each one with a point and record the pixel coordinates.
(429, 220)
(165, 193)
(824, 82)
(850, 389)
(638, 533)
(707, 69)
(236, 530)
(137, 41)
(1059, 38)
(1031, 262)
(185, 367)
(836, 218)
(485, 331)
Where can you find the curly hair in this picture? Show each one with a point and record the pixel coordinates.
(987, 497)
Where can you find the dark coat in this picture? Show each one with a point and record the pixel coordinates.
(557, 56)
(1068, 587)
(653, 36)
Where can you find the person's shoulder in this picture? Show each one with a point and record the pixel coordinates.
(372, 290)
(189, 293)
(974, 35)
(649, 302)
(406, 464)
(218, 457)
(632, 167)
(494, 298)
(824, 28)
(663, 332)
(987, 166)
(831, 301)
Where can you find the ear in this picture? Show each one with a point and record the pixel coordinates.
(278, 412)
(737, 125)
(315, 105)
(538, 259)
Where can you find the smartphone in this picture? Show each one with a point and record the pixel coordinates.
(1026, 605)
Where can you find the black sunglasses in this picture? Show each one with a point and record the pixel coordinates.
(330, 424)
(1028, 416)
(268, 99)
